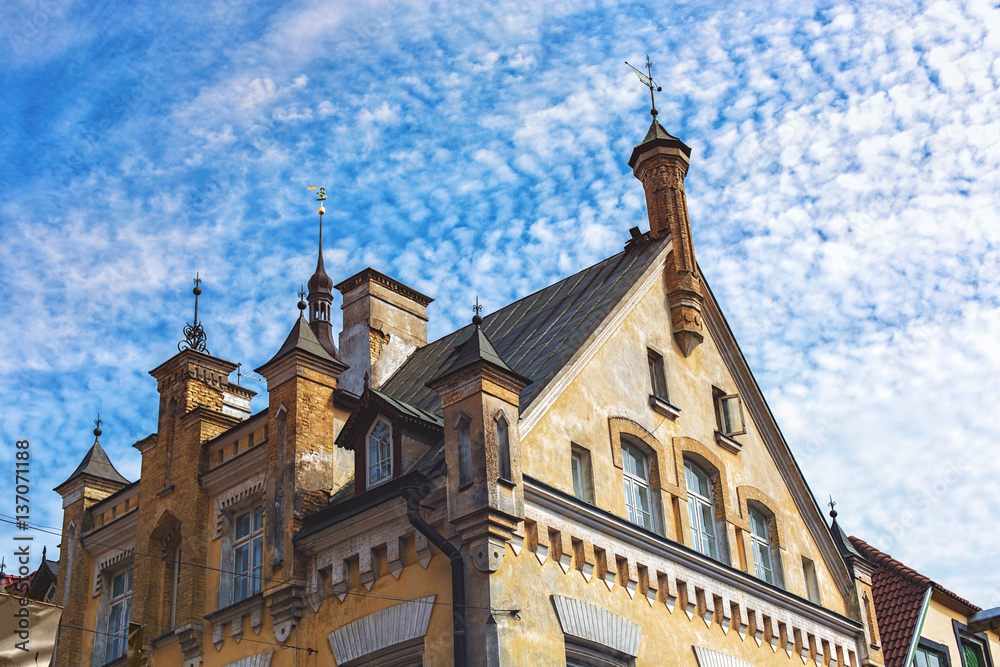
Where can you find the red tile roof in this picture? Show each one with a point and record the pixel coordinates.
(899, 594)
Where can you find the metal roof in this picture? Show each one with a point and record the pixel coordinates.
(535, 336)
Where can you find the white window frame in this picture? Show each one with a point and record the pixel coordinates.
(761, 544)
(705, 538)
(379, 471)
(729, 409)
(636, 486)
(252, 542)
(116, 643)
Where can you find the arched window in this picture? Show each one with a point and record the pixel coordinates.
(701, 511)
(638, 505)
(764, 560)
(379, 453)
(464, 450)
(503, 449)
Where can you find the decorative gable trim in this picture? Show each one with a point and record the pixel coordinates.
(108, 560)
(581, 620)
(709, 658)
(240, 492)
(394, 625)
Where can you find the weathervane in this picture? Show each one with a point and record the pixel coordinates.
(647, 80)
(832, 505)
(194, 334)
(302, 298)
(321, 198)
(97, 423)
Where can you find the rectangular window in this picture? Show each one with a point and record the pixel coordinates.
(379, 453)
(925, 657)
(972, 654)
(812, 584)
(248, 551)
(583, 479)
(119, 613)
(657, 376)
(636, 483)
(729, 412)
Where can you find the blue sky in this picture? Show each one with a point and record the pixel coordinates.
(842, 196)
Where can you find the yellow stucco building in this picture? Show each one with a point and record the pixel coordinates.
(587, 476)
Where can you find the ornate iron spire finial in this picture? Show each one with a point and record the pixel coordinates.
(833, 512)
(647, 80)
(302, 298)
(477, 319)
(97, 423)
(367, 379)
(194, 334)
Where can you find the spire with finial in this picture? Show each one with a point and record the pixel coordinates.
(660, 162)
(320, 295)
(647, 79)
(477, 318)
(302, 298)
(194, 334)
(833, 511)
(97, 429)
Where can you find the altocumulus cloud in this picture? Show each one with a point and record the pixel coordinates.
(842, 192)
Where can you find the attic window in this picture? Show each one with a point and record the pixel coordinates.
(729, 418)
(379, 453)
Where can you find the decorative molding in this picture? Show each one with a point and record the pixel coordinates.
(394, 625)
(667, 573)
(665, 408)
(709, 658)
(591, 623)
(223, 501)
(259, 660)
(108, 560)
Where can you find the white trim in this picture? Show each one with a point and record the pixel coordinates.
(911, 654)
(393, 625)
(605, 330)
(591, 623)
(369, 484)
(709, 658)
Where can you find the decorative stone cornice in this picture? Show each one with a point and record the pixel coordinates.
(582, 620)
(111, 558)
(235, 495)
(394, 625)
(370, 275)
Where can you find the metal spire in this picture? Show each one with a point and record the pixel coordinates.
(833, 512)
(194, 334)
(647, 80)
(302, 298)
(97, 423)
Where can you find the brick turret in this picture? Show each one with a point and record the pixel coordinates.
(660, 162)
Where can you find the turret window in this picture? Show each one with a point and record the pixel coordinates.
(701, 511)
(379, 453)
(503, 449)
(462, 427)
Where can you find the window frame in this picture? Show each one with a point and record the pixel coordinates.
(254, 538)
(657, 375)
(977, 639)
(765, 542)
(115, 644)
(463, 432)
(505, 467)
(583, 489)
(633, 483)
(699, 501)
(812, 582)
(939, 650)
(385, 463)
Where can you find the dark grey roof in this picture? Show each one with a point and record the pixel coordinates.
(302, 337)
(535, 336)
(407, 409)
(472, 347)
(844, 544)
(97, 464)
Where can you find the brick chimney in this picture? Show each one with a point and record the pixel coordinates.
(661, 162)
(384, 322)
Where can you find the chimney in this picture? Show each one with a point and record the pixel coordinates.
(384, 322)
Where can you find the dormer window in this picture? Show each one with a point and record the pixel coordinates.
(379, 453)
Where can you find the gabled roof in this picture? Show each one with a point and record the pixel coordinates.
(898, 593)
(96, 464)
(535, 336)
(373, 401)
(472, 348)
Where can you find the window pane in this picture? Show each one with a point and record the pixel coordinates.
(758, 527)
(577, 466)
(242, 525)
(971, 656)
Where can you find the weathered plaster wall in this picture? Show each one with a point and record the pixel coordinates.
(615, 383)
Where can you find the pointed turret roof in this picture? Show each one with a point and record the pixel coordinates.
(320, 282)
(657, 136)
(97, 464)
(475, 347)
(302, 338)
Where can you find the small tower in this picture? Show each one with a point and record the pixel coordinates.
(93, 480)
(321, 292)
(480, 397)
(660, 162)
